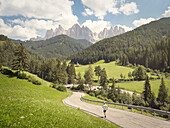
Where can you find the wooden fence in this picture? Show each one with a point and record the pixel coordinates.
(132, 107)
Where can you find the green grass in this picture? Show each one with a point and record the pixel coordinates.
(112, 69)
(91, 97)
(139, 86)
(23, 104)
(43, 82)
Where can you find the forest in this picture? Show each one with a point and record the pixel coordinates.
(148, 45)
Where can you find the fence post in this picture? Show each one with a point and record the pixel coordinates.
(115, 106)
(122, 107)
(141, 111)
(154, 113)
(132, 109)
(168, 117)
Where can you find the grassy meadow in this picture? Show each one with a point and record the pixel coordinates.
(112, 69)
(139, 86)
(23, 104)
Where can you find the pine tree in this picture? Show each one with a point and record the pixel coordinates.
(103, 79)
(79, 78)
(89, 76)
(163, 93)
(71, 73)
(113, 90)
(97, 71)
(147, 90)
(130, 75)
(20, 61)
(121, 75)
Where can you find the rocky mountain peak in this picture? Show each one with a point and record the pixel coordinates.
(78, 32)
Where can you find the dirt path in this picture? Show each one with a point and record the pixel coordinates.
(122, 118)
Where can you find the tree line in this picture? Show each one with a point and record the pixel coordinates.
(148, 45)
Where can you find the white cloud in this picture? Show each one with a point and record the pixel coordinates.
(142, 21)
(129, 8)
(17, 31)
(56, 10)
(87, 12)
(125, 27)
(36, 24)
(47, 9)
(97, 26)
(101, 7)
(167, 13)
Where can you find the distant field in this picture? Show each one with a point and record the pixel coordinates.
(23, 104)
(139, 86)
(112, 69)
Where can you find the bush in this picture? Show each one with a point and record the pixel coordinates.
(100, 97)
(22, 76)
(30, 78)
(62, 88)
(74, 88)
(7, 72)
(0, 66)
(36, 82)
(54, 86)
(81, 87)
(91, 94)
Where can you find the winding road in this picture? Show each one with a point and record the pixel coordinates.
(119, 117)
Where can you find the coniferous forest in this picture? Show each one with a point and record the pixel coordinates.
(148, 45)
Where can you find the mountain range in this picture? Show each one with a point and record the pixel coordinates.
(60, 47)
(83, 32)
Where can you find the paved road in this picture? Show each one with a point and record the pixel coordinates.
(122, 118)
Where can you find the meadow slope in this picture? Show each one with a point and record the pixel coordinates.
(112, 69)
(23, 104)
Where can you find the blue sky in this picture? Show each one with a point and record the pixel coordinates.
(24, 19)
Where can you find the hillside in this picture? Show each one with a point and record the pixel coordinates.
(112, 69)
(23, 104)
(60, 46)
(139, 86)
(144, 45)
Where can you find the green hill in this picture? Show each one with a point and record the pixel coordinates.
(60, 46)
(23, 104)
(139, 86)
(147, 45)
(112, 69)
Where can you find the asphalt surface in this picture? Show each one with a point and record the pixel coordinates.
(119, 117)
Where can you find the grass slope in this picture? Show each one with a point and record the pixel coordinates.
(23, 104)
(112, 69)
(139, 86)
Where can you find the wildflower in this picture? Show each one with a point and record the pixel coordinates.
(22, 117)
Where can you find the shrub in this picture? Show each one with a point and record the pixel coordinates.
(54, 86)
(22, 76)
(7, 72)
(74, 88)
(62, 88)
(36, 82)
(0, 66)
(100, 97)
(91, 94)
(30, 78)
(81, 87)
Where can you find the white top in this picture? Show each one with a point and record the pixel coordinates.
(104, 107)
